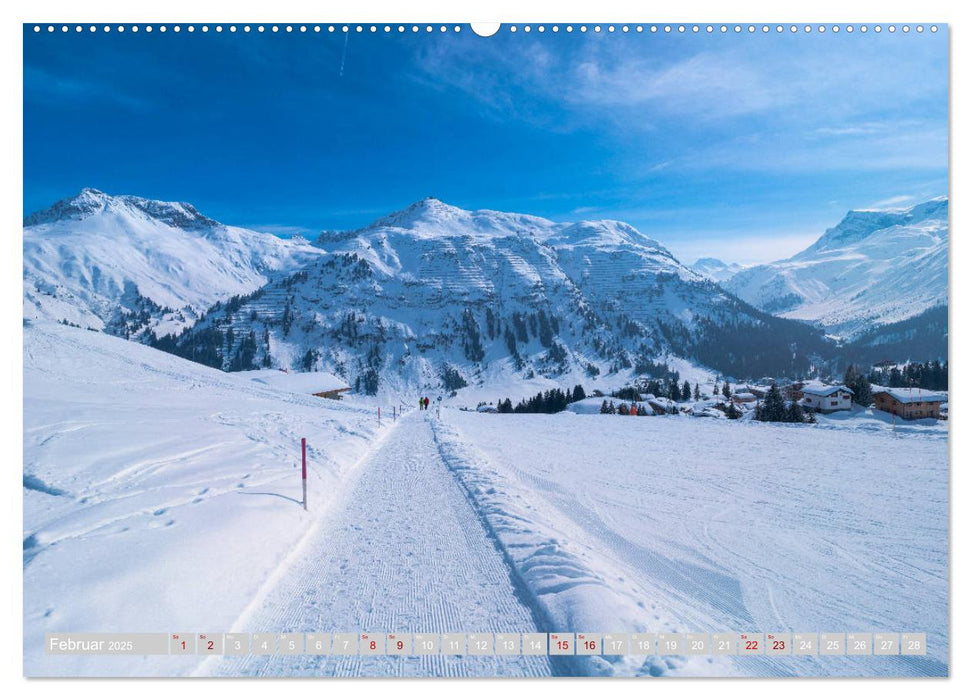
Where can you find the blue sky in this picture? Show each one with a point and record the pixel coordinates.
(744, 147)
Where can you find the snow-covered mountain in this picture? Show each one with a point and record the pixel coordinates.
(873, 268)
(715, 269)
(436, 295)
(127, 264)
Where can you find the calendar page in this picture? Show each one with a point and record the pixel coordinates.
(485, 350)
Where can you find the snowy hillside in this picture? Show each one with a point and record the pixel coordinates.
(873, 268)
(159, 493)
(442, 297)
(715, 269)
(126, 264)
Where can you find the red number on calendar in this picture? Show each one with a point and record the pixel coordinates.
(563, 645)
(209, 646)
(373, 646)
(400, 645)
(752, 644)
(590, 645)
(183, 644)
(778, 645)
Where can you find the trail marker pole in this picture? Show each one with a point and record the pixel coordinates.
(303, 450)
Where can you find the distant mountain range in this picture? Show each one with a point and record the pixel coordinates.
(715, 269)
(432, 295)
(872, 269)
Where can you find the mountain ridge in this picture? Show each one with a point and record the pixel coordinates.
(436, 295)
(127, 264)
(873, 268)
(430, 295)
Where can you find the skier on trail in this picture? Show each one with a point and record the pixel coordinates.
(426, 403)
(421, 404)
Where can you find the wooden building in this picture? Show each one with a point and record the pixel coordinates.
(910, 404)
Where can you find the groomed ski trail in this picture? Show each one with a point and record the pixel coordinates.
(403, 552)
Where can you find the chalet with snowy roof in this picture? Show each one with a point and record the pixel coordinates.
(744, 397)
(825, 398)
(911, 404)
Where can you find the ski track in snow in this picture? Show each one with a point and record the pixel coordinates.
(707, 546)
(405, 552)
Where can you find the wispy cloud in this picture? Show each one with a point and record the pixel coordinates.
(765, 103)
(900, 200)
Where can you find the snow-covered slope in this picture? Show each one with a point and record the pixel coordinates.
(872, 269)
(127, 264)
(438, 296)
(715, 269)
(161, 494)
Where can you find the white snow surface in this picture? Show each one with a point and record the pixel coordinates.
(160, 495)
(683, 524)
(296, 382)
(873, 268)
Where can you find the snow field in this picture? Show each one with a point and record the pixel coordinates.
(689, 525)
(160, 495)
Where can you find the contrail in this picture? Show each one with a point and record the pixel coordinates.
(344, 53)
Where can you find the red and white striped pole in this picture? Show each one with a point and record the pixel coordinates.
(303, 449)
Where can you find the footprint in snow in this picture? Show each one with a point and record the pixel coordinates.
(160, 511)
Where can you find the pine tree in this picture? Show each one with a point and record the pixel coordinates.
(733, 412)
(578, 393)
(726, 391)
(794, 413)
(859, 385)
(686, 391)
(697, 393)
(604, 408)
(773, 408)
(511, 342)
